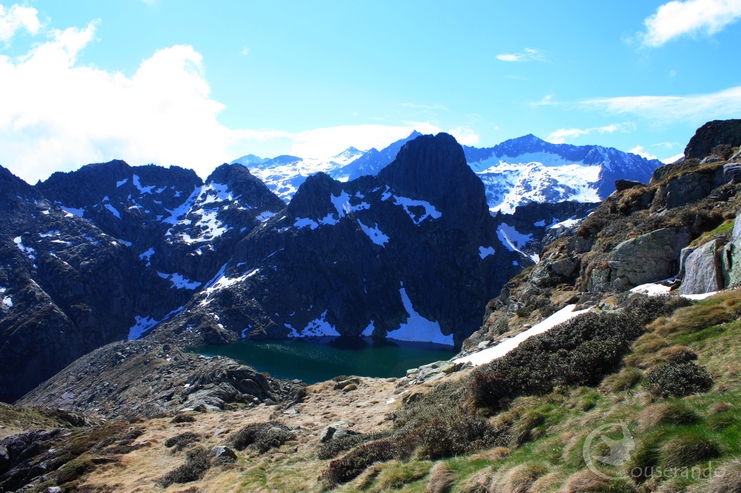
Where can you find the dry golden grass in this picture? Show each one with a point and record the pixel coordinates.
(519, 479)
(586, 481)
(442, 478)
(676, 413)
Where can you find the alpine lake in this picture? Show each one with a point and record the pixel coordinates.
(323, 358)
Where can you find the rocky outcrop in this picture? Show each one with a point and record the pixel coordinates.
(145, 378)
(711, 135)
(646, 258)
(702, 272)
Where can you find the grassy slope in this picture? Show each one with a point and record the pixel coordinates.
(551, 456)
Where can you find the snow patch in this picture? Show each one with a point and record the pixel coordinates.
(417, 328)
(302, 222)
(485, 251)
(368, 331)
(71, 211)
(121, 183)
(113, 211)
(264, 216)
(147, 256)
(142, 189)
(539, 224)
(30, 252)
(179, 281)
(144, 325)
(406, 203)
(490, 354)
(568, 223)
(514, 240)
(374, 234)
(318, 327)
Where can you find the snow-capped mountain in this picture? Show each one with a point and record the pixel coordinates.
(529, 169)
(284, 174)
(515, 172)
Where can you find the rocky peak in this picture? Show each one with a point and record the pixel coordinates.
(713, 134)
(245, 187)
(434, 168)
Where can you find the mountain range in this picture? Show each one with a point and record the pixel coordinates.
(399, 243)
(516, 172)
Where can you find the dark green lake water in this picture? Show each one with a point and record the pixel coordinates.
(318, 361)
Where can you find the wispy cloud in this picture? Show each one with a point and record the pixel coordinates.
(245, 51)
(689, 18)
(527, 55)
(641, 151)
(546, 101)
(693, 108)
(560, 136)
(16, 18)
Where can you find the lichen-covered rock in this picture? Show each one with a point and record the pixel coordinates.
(702, 272)
(646, 258)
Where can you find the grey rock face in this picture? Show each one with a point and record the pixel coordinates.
(646, 258)
(702, 272)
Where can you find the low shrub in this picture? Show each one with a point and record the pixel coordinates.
(261, 436)
(578, 352)
(678, 379)
(179, 442)
(333, 448)
(356, 461)
(183, 418)
(439, 425)
(648, 308)
(194, 468)
(677, 354)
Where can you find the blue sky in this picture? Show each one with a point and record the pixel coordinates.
(199, 83)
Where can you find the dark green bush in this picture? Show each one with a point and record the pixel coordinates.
(356, 461)
(182, 440)
(578, 352)
(262, 436)
(441, 438)
(648, 308)
(678, 379)
(194, 468)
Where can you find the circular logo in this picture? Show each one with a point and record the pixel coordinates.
(603, 447)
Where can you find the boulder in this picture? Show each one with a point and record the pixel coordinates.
(646, 258)
(702, 271)
(711, 135)
(687, 188)
(623, 184)
(223, 454)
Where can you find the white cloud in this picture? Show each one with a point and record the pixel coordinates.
(672, 159)
(58, 115)
(16, 18)
(690, 17)
(692, 109)
(641, 151)
(527, 55)
(329, 141)
(560, 136)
